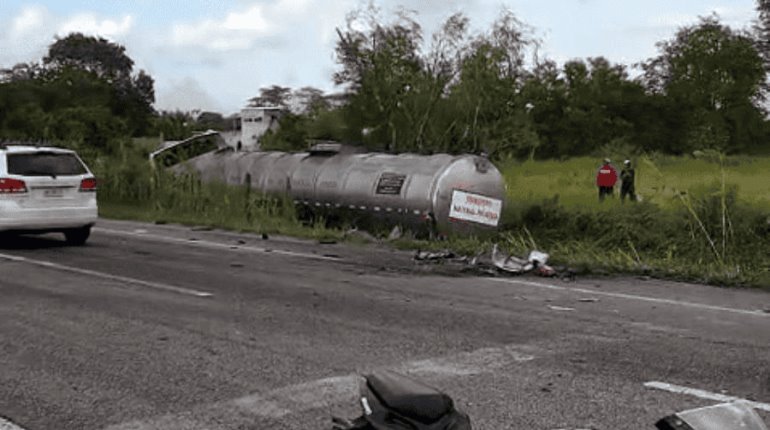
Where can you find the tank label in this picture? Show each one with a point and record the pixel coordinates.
(390, 183)
(475, 208)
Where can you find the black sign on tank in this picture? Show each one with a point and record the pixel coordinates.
(390, 183)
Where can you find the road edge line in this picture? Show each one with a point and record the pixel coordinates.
(755, 313)
(102, 275)
(703, 394)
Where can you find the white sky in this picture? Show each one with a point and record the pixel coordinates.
(215, 55)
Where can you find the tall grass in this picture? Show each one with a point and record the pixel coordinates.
(692, 222)
(131, 188)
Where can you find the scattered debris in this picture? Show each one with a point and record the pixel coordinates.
(588, 300)
(767, 311)
(560, 308)
(265, 236)
(509, 263)
(202, 228)
(327, 241)
(160, 222)
(497, 262)
(241, 242)
(396, 233)
(360, 234)
(236, 264)
(433, 256)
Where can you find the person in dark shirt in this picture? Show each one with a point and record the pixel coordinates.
(627, 176)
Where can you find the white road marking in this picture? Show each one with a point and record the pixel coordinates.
(560, 308)
(213, 245)
(756, 313)
(7, 425)
(703, 394)
(102, 275)
(321, 393)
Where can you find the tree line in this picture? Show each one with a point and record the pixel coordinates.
(453, 91)
(490, 92)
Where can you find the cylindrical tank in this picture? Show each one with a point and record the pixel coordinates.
(458, 194)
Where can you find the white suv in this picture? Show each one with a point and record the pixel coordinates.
(46, 189)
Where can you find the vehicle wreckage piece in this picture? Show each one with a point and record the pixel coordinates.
(392, 401)
(726, 416)
(447, 193)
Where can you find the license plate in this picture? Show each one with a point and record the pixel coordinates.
(54, 192)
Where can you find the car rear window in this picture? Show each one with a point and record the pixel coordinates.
(45, 164)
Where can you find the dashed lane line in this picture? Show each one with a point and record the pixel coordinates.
(703, 394)
(107, 276)
(325, 392)
(755, 313)
(214, 245)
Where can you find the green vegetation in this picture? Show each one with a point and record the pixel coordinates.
(131, 188)
(483, 92)
(659, 179)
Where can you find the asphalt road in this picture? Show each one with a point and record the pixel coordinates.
(164, 327)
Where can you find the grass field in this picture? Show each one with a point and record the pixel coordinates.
(658, 179)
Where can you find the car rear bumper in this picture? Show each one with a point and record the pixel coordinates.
(47, 219)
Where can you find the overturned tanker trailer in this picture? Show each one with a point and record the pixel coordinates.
(447, 193)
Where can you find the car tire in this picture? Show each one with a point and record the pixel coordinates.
(77, 236)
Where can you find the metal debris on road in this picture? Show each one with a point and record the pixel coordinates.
(497, 262)
(560, 308)
(396, 233)
(433, 256)
(588, 300)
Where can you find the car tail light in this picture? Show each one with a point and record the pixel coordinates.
(88, 184)
(12, 186)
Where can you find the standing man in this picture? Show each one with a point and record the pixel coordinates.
(606, 179)
(627, 182)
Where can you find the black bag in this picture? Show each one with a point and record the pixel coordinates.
(392, 401)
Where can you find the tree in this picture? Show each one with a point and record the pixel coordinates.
(210, 120)
(274, 95)
(762, 31)
(107, 61)
(21, 72)
(94, 54)
(713, 75)
(381, 68)
(309, 100)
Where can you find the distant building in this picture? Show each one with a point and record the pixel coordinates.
(255, 122)
(244, 134)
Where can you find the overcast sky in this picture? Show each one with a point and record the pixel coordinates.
(215, 55)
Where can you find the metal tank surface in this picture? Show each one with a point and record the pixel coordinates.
(449, 193)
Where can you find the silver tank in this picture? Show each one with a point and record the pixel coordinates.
(459, 194)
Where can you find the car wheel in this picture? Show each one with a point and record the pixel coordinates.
(77, 236)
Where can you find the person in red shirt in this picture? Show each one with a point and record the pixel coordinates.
(606, 178)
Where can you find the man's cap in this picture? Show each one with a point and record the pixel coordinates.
(627, 162)
(607, 161)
